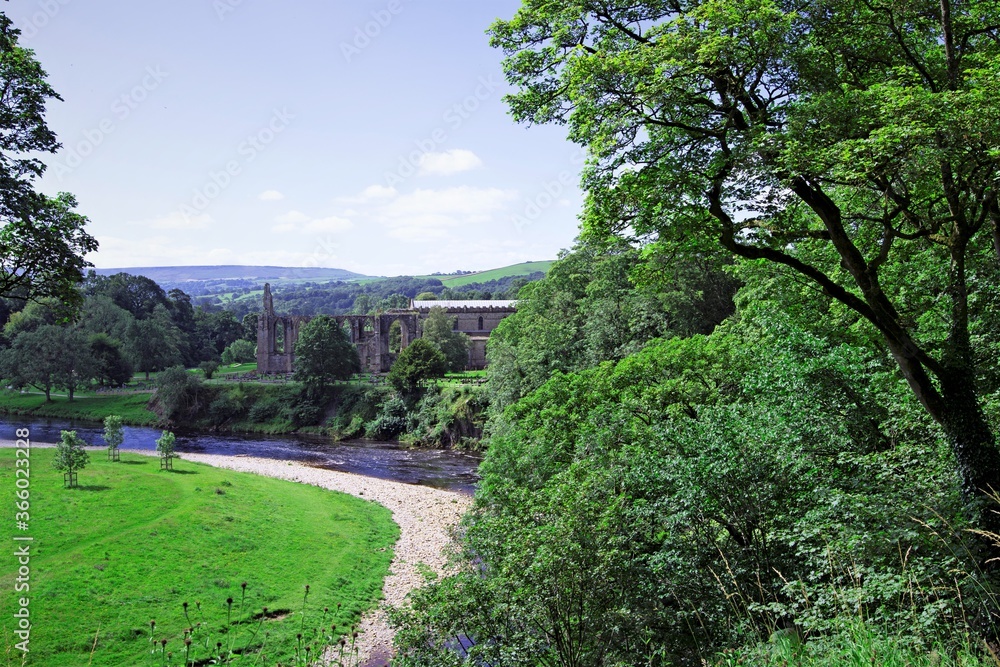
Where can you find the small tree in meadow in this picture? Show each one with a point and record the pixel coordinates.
(70, 457)
(165, 446)
(209, 368)
(114, 435)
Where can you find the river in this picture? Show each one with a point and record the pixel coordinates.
(438, 468)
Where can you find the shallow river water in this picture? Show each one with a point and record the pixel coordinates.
(439, 468)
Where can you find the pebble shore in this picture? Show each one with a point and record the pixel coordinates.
(425, 517)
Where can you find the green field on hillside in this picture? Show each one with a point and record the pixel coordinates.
(134, 543)
(522, 269)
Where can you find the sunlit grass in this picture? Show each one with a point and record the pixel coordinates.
(133, 544)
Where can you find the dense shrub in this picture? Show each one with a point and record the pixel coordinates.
(179, 394)
(390, 421)
(704, 494)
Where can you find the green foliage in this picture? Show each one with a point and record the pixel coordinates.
(50, 357)
(694, 497)
(114, 433)
(851, 146)
(324, 354)
(439, 329)
(448, 417)
(419, 362)
(355, 407)
(70, 454)
(165, 444)
(227, 406)
(112, 367)
(134, 408)
(390, 421)
(426, 296)
(209, 367)
(153, 344)
(240, 352)
(588, 310)
(178, 393)
(33, 316)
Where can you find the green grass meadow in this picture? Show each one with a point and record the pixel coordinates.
(134, 543)
(131, 407)
(523, 269)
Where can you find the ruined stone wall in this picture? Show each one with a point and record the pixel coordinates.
(369, 334)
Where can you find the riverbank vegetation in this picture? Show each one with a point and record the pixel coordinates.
(810, 479)
(136, 555)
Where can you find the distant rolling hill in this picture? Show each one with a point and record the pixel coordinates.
(182, 274)
(522, 269)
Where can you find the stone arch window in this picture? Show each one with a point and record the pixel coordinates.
(480, 322)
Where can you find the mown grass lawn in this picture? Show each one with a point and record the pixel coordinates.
(131, 407)
(132, 544)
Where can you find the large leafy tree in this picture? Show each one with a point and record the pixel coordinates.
(851, 144)
(50, 357)
(153, 344)
(439, 329)
(419, 362)
(324, 354)
(42, 241)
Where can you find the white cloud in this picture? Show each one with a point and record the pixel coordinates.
(450, 162)
(177, 221)
(296, 221)
(378, 192)
(433, 214)
(371, 193)
(293, 217)
(327, 225)
(270, 195)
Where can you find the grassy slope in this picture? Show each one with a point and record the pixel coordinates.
(131, 407)
(522, 269)
(134, 543)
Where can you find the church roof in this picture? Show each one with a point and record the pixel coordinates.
(497, 304)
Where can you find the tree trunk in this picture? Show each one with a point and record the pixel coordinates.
(70, 391)
(973, 444)
(48, 394)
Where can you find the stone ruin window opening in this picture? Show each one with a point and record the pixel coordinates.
(395, 337)
(279, 336)
(480, 323)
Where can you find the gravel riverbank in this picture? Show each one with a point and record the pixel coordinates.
(425, 517)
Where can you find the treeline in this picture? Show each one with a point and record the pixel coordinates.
(362, 298)
(688, 457)
(126, 324)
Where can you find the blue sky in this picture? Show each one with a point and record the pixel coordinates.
(366, 135)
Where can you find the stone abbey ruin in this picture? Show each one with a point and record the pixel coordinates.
(370, 334)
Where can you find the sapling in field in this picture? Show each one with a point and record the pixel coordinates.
(165, 446)
(70, 457)
(114, 435)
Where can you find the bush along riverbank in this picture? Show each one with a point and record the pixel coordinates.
(447, 416)
(437, 416)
